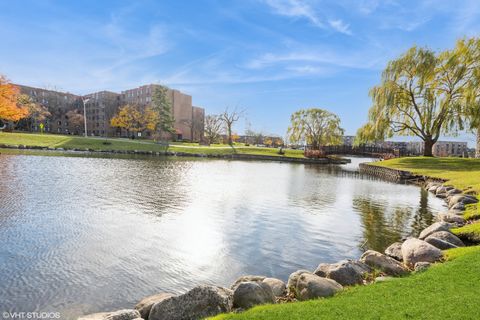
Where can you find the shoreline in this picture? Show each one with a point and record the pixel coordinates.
(239, 156)
(399, 259)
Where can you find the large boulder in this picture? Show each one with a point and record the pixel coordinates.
(457, 207)
(416, 250)
(395, 251)
(293, 279)
(248, 278)
(278, 286)
(440, 244)
(383, 263)
(433, 188)
(451, 218)
(249, 294)
(200, 302)
(346, 272)
(146, 304)
(453, 191)
(447, 237)
(461, 198)
(437, 226)
(311, 286)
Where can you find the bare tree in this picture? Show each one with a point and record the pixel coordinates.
(213, 128)
(229, 118)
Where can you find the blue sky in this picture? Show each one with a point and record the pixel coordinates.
(269, 57)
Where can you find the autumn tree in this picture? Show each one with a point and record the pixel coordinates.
(213, 128)
(36, 112)
(419, 95)
(10, 109)
(229, 118)
(315, 127)
(134, 118)
(75, 118)
(162, 105)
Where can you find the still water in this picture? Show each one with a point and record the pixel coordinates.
(82, 235)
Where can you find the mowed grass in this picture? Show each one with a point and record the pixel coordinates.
(445, 291)
(462, 173)
(97, 144)
(469, 232)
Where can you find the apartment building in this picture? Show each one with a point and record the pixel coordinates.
(103, 105)
(188, 119)
(58, 104)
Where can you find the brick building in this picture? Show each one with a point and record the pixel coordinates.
(103, 105)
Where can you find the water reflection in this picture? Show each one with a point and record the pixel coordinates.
(383, 225)
(82, 235)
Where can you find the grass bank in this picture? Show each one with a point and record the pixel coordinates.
(445, 291)
(461, 173)
(117, 144)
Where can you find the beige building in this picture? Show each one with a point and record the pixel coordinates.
(102, 106)
(188, 119)
(440, 148)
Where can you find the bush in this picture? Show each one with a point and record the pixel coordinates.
(314, 154)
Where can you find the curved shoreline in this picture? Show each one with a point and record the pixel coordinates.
(399, 259)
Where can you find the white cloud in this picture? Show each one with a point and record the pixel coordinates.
(340, 26)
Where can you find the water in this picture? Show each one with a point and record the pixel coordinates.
(82, 235)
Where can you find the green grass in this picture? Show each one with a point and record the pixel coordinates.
(469, 232)
(461, 173)
(445, 291)
(97, 144)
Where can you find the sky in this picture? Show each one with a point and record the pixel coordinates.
(266, 57)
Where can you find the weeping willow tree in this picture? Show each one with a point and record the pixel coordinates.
(419, 95)
(315, 127)
(469, 51)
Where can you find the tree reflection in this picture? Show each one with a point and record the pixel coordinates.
(383, 226)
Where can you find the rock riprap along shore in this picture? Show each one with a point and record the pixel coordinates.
(399, 259)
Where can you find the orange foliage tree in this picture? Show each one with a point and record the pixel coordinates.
(135, 118)
(10, 109)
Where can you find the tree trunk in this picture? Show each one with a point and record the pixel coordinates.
(428, 147)
(229, 134)
(477, 150)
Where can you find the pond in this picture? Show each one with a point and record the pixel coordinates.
(81, 235)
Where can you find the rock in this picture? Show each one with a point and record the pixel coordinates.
(458, 207)
(461, 198)
(94, 316)
(126, 314)
(292, 280)
(422, 266)
(310, 286)
(395, 251)
(346, 272)
(416, 250)
(441, 195)
(452, 192)
(447, 237)
(249, 294)
(246, 279)
(441, 190)
(433, 188)
(383, 263)
(278, 286)
(200, 302)
(440, 244)
(451, 218)
(437, 226)
(146, 304)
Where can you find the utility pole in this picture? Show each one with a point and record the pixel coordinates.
(85, 114)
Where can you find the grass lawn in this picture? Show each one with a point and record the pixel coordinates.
(445, 291)
(65, 141)
(469, 232)
(461, 173)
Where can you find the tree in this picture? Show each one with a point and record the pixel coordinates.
(76, 118)
(10, 109)
(135, 118)
(469, 51)
(419, 95)
(316, 127)
(162, 105)
(213, 128)
(36, 112)
(229, 118)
